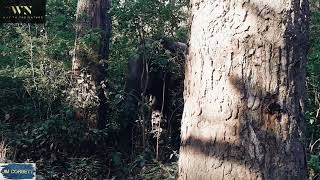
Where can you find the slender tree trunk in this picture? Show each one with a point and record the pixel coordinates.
(93, 32)
(244, 90)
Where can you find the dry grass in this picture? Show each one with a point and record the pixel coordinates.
(3, 151)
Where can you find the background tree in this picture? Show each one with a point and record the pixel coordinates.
(93, 32)
(244, 91)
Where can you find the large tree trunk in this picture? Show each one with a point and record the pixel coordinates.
(244, 90)
(89, 65)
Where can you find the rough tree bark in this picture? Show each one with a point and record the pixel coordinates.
(89, 64)
(244, 90)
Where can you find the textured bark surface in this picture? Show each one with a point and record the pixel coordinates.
(90, 57)
(244, 90)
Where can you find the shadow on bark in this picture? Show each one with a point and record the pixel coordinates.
(264, 143)
(269, 134)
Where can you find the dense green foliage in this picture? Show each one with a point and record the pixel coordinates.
(37, 123)
(313, 95)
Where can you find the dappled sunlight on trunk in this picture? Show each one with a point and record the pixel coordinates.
(244, 89)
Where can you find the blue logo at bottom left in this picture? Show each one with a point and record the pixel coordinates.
(17, 171)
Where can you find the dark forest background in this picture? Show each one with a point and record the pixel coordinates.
(39, 125)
